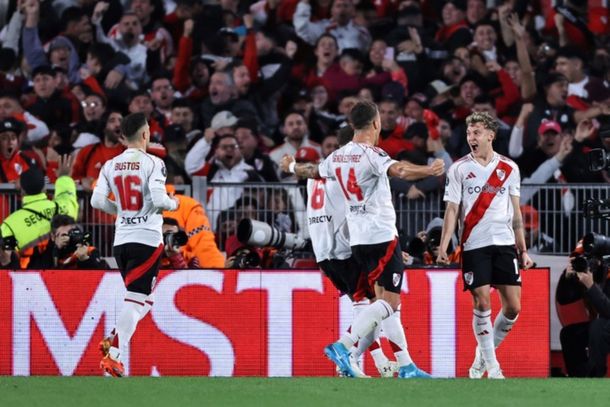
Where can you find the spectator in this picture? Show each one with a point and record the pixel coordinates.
(485, 38)
(61, 50)
(129, 44)
(476, 10)
(191, 74)
(223, 124)
(162, 95)
(248, 139)
(347, 74)
(91, 158)
(583, 90)
(28, 228)
(151, 13)
(296, 132)
(228, 165)
(49, 105)
(329, 144)
(391, 138)
(454, 32)
(325, 52)
(223, 96)
(200, 250)
(93, 108)
(340, 25)
(69, 248)
(11, 107)
(14, 162)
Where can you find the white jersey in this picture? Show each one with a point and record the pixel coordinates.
(486, 213)
(326, 220)
(137, 180)
(361, 171)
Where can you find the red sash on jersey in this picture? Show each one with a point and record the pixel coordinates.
(482, 203)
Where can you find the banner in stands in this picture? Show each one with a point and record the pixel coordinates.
(247, 323)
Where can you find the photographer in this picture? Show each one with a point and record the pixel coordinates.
(246, 256)
(69, 248)
(174, 240)
(583, 303)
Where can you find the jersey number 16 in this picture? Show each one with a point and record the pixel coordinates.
(130, 193)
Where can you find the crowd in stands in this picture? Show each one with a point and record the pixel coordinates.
(230, 86)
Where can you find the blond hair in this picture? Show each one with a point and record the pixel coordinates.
(484, 118)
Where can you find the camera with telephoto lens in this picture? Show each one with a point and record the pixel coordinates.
(77, 237)
(175, 240)
(261, 234)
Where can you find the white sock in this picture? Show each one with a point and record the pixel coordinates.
(127, 322)
(357, 308)
(483, 332)
(366, 321)
(377, 354)
(502, 326)
(394, 331)
(148, 303)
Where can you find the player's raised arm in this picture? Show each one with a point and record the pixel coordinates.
(99, 198)
(301, 170)
(412, 172)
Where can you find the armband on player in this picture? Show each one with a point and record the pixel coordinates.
(291, 167)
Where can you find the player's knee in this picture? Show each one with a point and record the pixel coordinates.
(512, 311)
(482, 303)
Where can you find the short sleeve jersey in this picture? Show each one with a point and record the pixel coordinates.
(484, 192)
(361, 171)
(131, 176)
(326, 220)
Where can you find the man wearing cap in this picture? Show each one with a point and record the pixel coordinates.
(222, 124)
(13, 162)
(28, 228)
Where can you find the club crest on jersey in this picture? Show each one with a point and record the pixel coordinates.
(395, 279)
(469, 277)
(501, 174)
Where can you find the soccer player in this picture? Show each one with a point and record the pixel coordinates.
(330, 242)
(362, 171)
(137, 180)
(486, 187)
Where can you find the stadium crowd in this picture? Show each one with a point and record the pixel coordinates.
(229, 87)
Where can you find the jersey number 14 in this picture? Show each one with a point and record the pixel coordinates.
(130, 193)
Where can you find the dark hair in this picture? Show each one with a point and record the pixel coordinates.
(132, 124)
(484, 99)
(61, 220)
(70, 15)
(362, 115)
(182, 102)
(32, 181)
(171, 222)
(345, 135)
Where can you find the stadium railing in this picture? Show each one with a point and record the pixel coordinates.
(558, 208)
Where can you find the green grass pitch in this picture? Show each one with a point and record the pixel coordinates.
(288, 392)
